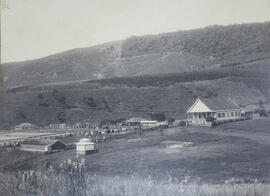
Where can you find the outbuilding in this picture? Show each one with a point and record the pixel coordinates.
(85, 146)
(37, 145)
(25, 126)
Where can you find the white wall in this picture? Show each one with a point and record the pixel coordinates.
(228, 115)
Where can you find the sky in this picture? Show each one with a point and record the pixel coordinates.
(32, 29)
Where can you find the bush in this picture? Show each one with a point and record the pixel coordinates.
(19, 115)
(89, 101)
(44, 104)
(171, 120)
(40, 96)
(210, 119)
(262, 112)
(158, 116)
(182, 123)
(61, 116)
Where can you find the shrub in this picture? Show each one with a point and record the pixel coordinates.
(158, 116)
(262, 112)
(182, 123)
(40, 96)
(89, 101)
(61, 116)
(44, 104)
(210, 119)
(19, 115)
(171, 120)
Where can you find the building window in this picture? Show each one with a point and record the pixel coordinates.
(236, 113)
(223, 114)
(200, 115)
(219, 115)
(232, 114)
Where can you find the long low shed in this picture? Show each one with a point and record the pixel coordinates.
(42, 146)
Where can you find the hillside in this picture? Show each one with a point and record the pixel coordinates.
(177, 52)
(140, 76)
(117, 98)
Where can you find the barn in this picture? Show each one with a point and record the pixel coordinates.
(205, 110)
(37, 145)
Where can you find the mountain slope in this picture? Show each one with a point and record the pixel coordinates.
(57, 104)
(178, 52)
(140, 96)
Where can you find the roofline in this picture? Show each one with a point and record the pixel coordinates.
(239, 108)
(48, 144)
(234, 102)
(218, 110)
(192, 106)
(197, 100)
(227, 109)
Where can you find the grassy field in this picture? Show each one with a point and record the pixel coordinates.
(237, 150)
(63, 184)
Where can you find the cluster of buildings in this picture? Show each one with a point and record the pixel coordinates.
(203, 112)
(83, 147)
(79, 125)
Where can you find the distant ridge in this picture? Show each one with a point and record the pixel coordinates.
(176, 52)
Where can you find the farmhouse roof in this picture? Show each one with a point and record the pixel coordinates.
(217, 103)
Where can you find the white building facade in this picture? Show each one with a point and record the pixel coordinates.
(204, 111)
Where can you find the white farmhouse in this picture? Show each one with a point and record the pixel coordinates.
(220, 109)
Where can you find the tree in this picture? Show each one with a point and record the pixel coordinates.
(171, 120)
(158, 116)
(182, 123)
(19, 115)
(89, 101)
(261, 104)
(40, 96)
(61, 116)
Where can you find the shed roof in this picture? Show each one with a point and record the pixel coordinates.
(85, 141)
(136, 119)
(39, 142)
(29, 125)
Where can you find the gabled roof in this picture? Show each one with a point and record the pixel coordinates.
(216, 103)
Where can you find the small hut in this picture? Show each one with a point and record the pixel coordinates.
(85, 146)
